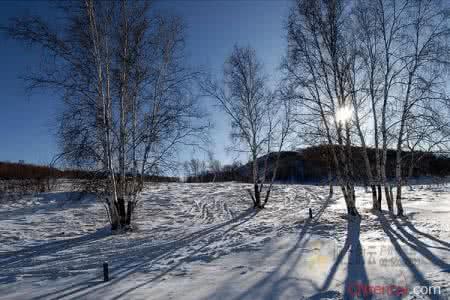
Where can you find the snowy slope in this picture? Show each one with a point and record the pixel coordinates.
(203, 241)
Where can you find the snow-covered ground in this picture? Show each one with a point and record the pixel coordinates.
(203, 241)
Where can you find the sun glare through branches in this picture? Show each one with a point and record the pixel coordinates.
(344, 114)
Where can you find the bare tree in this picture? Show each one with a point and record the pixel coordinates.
(359, 99)
(425, 52)
(317, 67)
(368, 49)
(258, 117)
(386, 57)
(400, 42)
(129, 96)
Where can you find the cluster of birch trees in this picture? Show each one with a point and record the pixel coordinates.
(370, 74)
(129, 97)
(357, 73)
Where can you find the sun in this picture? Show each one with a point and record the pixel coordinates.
(344, 114)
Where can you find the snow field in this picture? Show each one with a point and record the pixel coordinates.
(204, 241)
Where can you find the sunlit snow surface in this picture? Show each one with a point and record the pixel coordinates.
(204, 241)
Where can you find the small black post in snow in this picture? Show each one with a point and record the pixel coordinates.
(310, 213)
(105, 272)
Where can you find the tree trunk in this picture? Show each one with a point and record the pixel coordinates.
(389, 199)
(391, 195)
(257, 199)
(267, 197)
(379, 196)
(399, 201)
(384, 133)
(121, 210)
(398, 160)
(350, 200)
(365, 155)
(114, 214)
(375, 203)
(129, 213)
(330, 175)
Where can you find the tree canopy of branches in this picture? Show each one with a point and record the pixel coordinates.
(129, 96)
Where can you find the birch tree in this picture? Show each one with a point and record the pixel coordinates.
(360, 100)
(317, 67)
(403, 47)
(368, 43)
(259, 120)
(129, 96)
(390, 20)
(425, 53)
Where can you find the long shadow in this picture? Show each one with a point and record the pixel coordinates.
(8, 259)
(247, 218)
(393, 236)
(419, 246)
(339, 258)
(426, 235)
(356, 270)
(276, 278)
(276, 281)
(157, 253)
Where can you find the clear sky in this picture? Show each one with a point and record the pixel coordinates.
(27, 120)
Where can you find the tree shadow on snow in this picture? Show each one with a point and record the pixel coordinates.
(411, 242)
(13, 259)
(414, 230)
(356, 269)
(149, 256)
(275, 283)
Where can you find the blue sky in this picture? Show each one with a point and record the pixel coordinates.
(27, 120)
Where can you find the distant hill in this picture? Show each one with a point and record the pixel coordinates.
(312, 164)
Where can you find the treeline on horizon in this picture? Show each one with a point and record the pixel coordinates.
(311, 164)
(232, 172)
(21, 171)
(314, 164)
